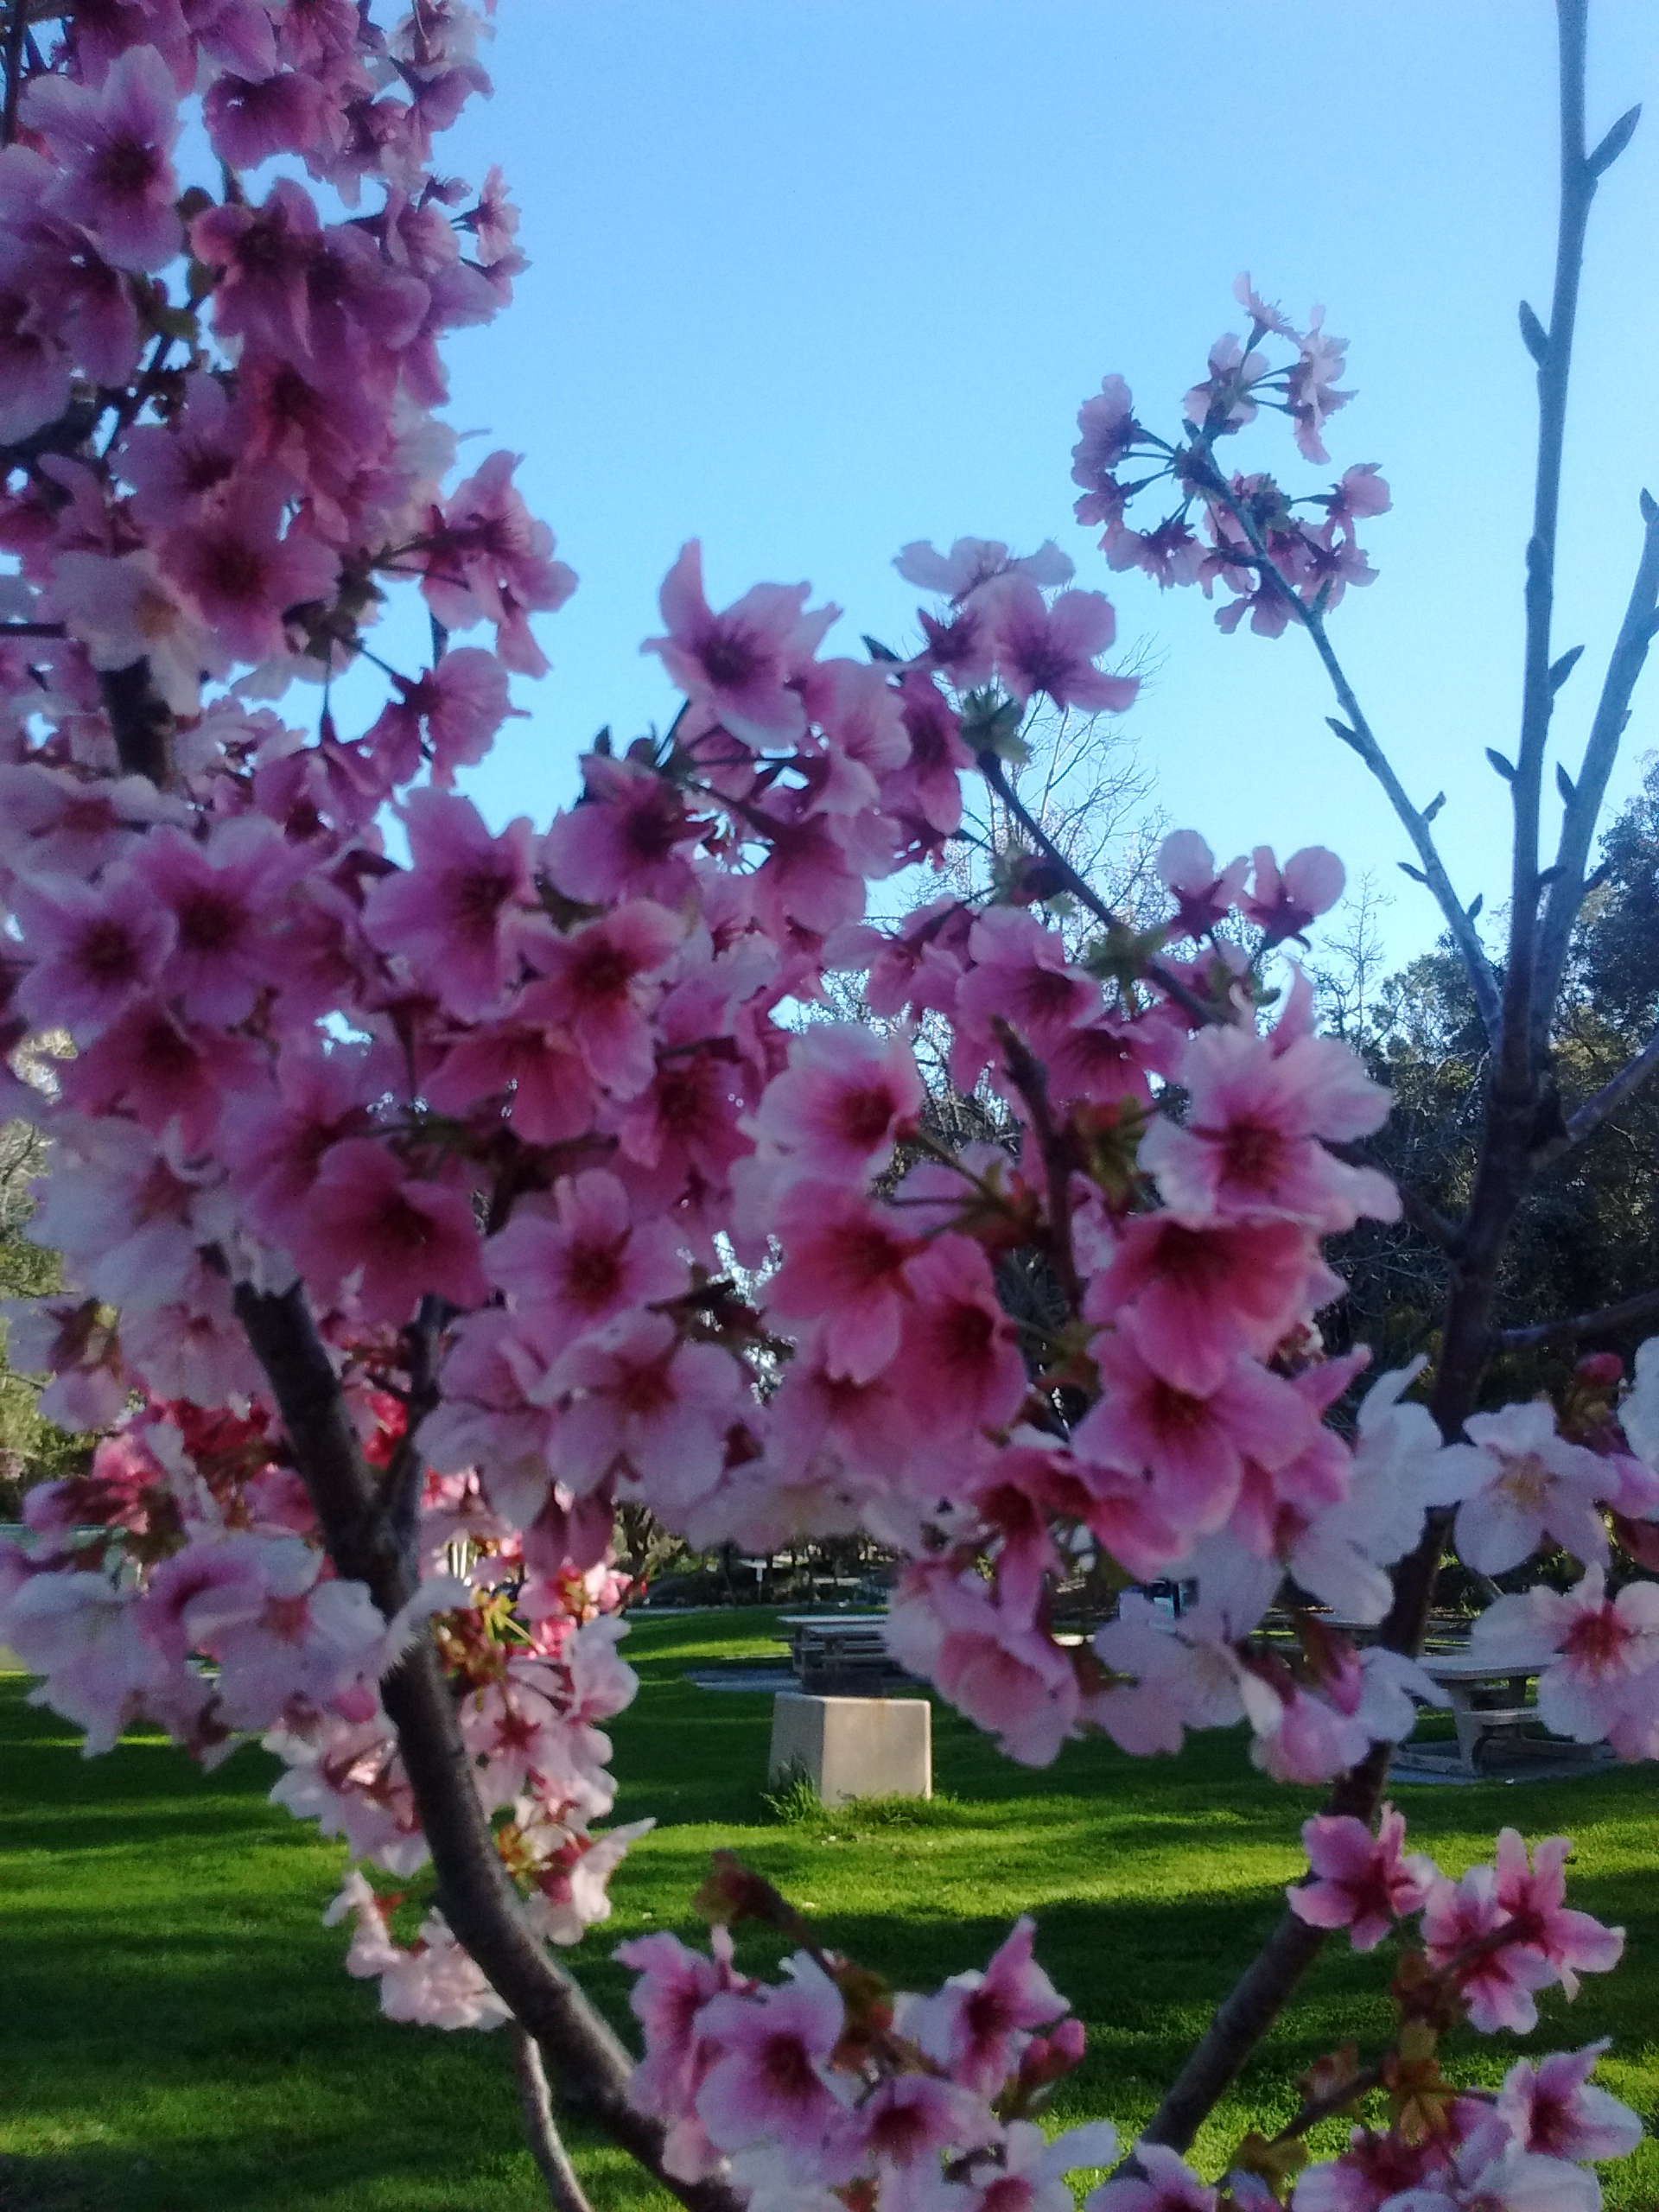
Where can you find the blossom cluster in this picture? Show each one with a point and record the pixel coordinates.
(540, 1128)
(827, 2089)
(182, 1581)
(1240, 531)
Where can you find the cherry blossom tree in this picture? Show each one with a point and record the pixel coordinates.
(415, 1215)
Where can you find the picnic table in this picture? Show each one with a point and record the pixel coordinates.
(1486, 1700)
(838, 1651)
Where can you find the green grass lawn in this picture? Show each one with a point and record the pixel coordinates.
(176, 2034)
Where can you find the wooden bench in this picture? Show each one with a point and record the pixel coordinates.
(839, 1654)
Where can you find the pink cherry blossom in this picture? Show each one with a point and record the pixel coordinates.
(1192, 1298)
(738, 666)
(1030, 2174)
(489, 559)
(1020, 975)
(224, 895)
(1193, 1444)
(1222, 402)
(1364, 1883)
(772, 2077)
(115, 145)
(1309, 395)
(972, 561)
(458, 915)
(627, 839)
(244, 571)
(1052, 649)
(959, 1351)
(1534, 1896)
(168, 1073)
(1204, 895)
(1165, 2183)
(1005, 1675)
(593, 987)
(123, 610)
(451, 713)
(1109, 432)
(544, 1084)
(843, 1269)
(632, 1393)
(1284, 901)
(837, 1110)
(978, 2023)
(1552, 2109)
(578, 1261)
(1604, 1652)
(1249, 1148)
(94, 951)
(402, 1235)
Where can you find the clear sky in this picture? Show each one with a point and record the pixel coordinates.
(810, 278)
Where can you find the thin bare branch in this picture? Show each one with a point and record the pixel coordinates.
(1625, 665)
(1171, 984)
(475, 1893)
(541, 2129)
(1605, 1102)
(1358, 734)
(1629, 1313)
(16, 33)
(1522, 1013)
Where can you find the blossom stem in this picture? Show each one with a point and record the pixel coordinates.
(1358, 734)
(1628, 1313)
(17, 31)
(1184, 996)
(476, 1892)
(1584, 798)
(547, 2147)
(1605, 1102)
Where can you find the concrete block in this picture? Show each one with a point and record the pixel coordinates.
(853, 1746)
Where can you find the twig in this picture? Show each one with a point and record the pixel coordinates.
(1627, 1314)
(541, 2129)
(1584, 798)
(17, 31)
(1357, 733)
(1425, 1218)
(475, 1893)
(400, 1486)
(1172, 986)
(1605, 1102)
(1026, 1073)
(1334, 2101)
(1554, 357)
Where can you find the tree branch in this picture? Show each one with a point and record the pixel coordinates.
(1171, 985)
(141, 721)
(475, 1893)
(1605, 1102)
(1516, 1050)
(1357, 733)
(1629, 1313)
(1425, 1219)
(16, 31)
(1625, 665)
(541, 2129)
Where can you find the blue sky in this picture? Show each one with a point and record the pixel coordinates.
(811, 278)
